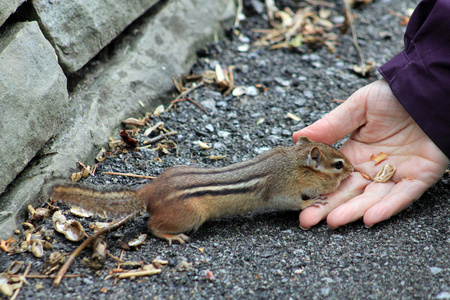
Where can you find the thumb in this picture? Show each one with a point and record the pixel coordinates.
(344, 119)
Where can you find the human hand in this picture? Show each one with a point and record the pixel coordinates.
(377, 123)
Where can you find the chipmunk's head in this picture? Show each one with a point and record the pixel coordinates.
(324, 158)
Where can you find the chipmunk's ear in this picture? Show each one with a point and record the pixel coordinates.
(315, 158)
(304, 140)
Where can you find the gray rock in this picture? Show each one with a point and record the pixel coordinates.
(33, 99)
(209, 105)
(7, 8)
(87, 26)
(210, 127)
(113, 91)
(443, 295)
(436, 270)
(308, 94)
(251, 91)
(224, 134)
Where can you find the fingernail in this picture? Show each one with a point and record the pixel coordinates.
(368, 226)
(304, 229)
(333, 228)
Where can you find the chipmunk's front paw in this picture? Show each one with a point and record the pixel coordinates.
(317, 201)
(180, 238)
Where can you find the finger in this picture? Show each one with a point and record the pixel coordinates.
(400, 197)
(339, 122)
(357, 207)
(349, 188)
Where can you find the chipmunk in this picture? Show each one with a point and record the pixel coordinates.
(182, 198)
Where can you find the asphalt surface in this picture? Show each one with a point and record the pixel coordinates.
(267, 255)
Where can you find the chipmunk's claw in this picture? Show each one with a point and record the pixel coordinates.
(180, 238)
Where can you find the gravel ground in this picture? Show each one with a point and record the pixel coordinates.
(267, 255)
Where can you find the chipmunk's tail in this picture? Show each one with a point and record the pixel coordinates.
(115, 200)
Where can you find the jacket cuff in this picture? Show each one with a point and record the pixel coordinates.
(419, 91)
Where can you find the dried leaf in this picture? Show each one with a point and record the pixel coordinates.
(260, 121)
(98, 226)
(5, 287)
(48, 245)
(243, 48)
(385, 174)
(293, 117)
(101, 156)
(41, 213)
(379, 157)
(72, 229)
(31, 210)
(286, 19)
(209, 76)
(365, 176)
(58, 217)
(159, 110)
(153, 128)
(134, 122)
(238, 91)
(98, 257)
(364, 70)
(127, 139)
(56, 257)
(216, 157)
(113, 144)
(183, 266)
(178, 84)
(53, 262)
(324, 13)
(138, 241)
(220, 76)
(159, 263)
(81, 212)
(14, 267)
(5, 244)
(79, 175)
(37, 248)
(204, 145)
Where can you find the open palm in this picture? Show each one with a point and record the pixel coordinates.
(377, 123)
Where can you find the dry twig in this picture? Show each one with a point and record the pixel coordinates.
(238, 13)
(322, 3)
(157, 138)
(153, 128)
(23, 279)
(40, 276)
(188, 91)
(351, 21)
(189, 99)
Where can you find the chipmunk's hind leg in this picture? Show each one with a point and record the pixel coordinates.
(169, 222)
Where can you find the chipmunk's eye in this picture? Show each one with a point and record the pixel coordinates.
(338, 165)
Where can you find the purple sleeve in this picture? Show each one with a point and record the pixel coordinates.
(419, 76)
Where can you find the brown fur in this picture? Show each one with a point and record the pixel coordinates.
(182, 198)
